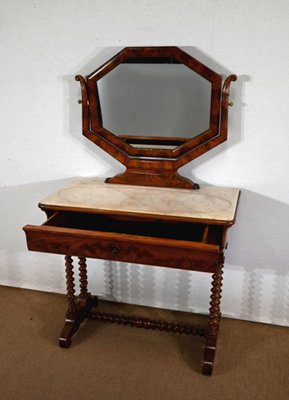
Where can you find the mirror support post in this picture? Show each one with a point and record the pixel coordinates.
(225, 105)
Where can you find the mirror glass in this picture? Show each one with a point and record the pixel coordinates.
(154, 99)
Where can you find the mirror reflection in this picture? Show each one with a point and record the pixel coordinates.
(155, 100)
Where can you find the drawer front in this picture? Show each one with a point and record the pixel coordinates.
(123, 247)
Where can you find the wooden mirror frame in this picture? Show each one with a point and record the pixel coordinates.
(153, 166)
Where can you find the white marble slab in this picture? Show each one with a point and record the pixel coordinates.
(209, 202)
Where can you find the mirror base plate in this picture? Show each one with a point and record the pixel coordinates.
(159, 178)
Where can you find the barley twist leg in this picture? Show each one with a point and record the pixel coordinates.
(214, 319)
(83, 277)
(71, 314)
(70, 286)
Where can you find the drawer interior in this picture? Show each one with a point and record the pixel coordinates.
(196, 232)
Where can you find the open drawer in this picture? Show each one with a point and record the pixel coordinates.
(183, 245)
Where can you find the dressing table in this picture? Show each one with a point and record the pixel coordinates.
(149, 214)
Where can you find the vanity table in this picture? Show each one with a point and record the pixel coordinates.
(149, 214)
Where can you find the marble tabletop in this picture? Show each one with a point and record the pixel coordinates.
(92, 194)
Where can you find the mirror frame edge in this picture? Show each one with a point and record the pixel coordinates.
(155, 167)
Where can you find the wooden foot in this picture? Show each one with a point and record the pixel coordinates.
(207, 368)
(72, 322)
(70, 327)
(209, 355)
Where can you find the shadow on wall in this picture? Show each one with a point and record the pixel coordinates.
(259, 246)
(20, 268)
(256, 274)
(256, 285)
(72, 120)
(236, 113)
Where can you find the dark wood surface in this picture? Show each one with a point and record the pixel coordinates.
(153, 166)
(185, 245)
(149, 250)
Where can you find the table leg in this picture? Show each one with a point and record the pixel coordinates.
(70, 286)
(85, 301)
(79, 307)
(83, 277)
(214, 319)
(70, 321)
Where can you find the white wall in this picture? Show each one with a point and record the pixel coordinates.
(45, 43)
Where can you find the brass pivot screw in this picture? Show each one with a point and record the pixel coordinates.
(231, 104)
(79, 101)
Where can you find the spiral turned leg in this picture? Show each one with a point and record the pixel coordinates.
(214, 319)
(69, 326)
(85, 300)
(70, 286)
(83, 277)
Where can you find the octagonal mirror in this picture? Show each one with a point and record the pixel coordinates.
(148, 99)
(154, 109)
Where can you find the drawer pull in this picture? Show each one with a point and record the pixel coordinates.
(115, 250)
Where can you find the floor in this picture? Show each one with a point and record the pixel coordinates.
(112, 362)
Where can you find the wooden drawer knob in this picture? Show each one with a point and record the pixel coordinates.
(115, 250)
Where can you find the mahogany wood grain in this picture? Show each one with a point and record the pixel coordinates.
(171, 242)
(154, 251)
(151, 166)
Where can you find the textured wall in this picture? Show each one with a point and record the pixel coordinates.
(44, 44)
